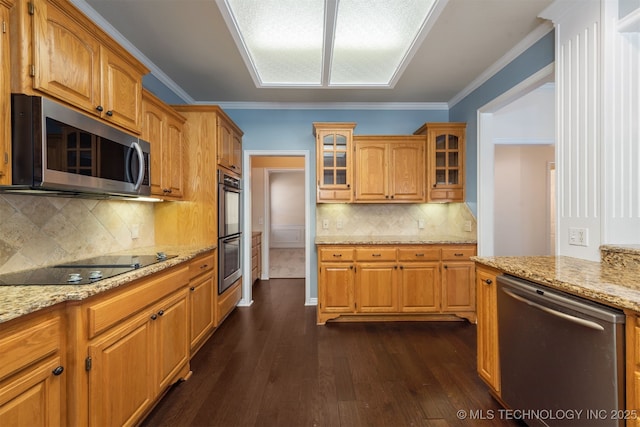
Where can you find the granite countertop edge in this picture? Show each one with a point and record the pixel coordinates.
(612, 285)
(18, 301)
(391, 240)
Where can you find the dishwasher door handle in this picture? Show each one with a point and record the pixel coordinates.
(565, 316)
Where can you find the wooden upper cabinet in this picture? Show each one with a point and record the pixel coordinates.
(229, 145)
(334, 167)
(446, 154)
(389, 168)
(60, 52)
(162, 128)
(5, 91)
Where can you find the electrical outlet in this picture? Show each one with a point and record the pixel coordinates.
(421, 224)
(339, 224)
(135, 231)
(261, 220)
(325, 224)
(467, 226)
(579, 236)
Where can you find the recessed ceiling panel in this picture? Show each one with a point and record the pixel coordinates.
(283, 39)
(373, 38)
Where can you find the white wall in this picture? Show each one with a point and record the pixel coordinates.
(286, 193)
(522, 222)
(597, 69)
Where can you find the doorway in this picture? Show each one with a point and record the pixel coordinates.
(264, 168)
(494, 130)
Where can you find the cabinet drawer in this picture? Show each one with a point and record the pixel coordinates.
(26, 344)
(336, 254)
(462, 253)
(376, 254)
(419, 253)
(102, 315)
(201, 265)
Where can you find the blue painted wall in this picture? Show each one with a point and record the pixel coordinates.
(291, 129)
(528, 63)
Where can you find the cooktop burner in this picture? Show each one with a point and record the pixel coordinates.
(82, 272)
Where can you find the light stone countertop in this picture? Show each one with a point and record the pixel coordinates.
(612, 283)
(17, 301)
(391, 240)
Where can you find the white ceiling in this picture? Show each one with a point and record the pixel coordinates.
(187, 45)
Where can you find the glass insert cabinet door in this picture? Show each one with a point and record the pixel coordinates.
(447, 155)
(334, 167)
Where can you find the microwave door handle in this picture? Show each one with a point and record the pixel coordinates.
(138, 182)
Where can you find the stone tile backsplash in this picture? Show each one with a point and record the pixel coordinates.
(446, 219)
(37, 231)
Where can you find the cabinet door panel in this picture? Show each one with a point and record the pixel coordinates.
(173, 338)
(371, 172)
(458, 287)
(488, 365)
(337, 288)
(33, 398)
(376, 288)
(152, 120)
(173, 161)
(122, 378)
(122, 91)
(66, 58)
(406, 170)
(203, 317)
(420, 284)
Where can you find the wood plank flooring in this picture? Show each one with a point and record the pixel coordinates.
(271, 365)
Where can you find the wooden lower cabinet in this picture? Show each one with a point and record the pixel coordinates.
(203, 292)
(487, 330)
(632, 329)
(256, 256)
(33, 371)
(131, 344)
(395, 280)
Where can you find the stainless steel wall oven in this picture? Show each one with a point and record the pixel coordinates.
(229, 231)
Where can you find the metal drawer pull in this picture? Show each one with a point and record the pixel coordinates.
(376, 255)
(458, 254)
(337, 255)
(419, 254)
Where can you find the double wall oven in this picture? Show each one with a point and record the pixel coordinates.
(229, 230)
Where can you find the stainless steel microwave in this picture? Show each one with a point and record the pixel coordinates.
(59, 151)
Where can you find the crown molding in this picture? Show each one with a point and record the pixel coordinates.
(417, 106)
(117, 36)
(531, 38)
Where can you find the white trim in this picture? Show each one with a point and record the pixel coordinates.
(117, 36)
(246, 165)
(541, 31)
(485, 161)
(328, 105)
(524, 141)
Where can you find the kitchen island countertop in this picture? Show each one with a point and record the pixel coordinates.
(17, 301)
(612, 283)
(391, 240)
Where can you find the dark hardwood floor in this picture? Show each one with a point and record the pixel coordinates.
(271, 365)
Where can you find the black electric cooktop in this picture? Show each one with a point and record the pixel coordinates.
(82, 272)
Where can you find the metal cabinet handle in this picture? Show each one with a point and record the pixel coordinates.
(376, 255)
(458, 254)
(488, 281)
(419, 254)
(202, 267)
(161, 312)
(192, 288)
(154, 316)
(109, 113)
(99, 108)
(337, 255)
(58, 371)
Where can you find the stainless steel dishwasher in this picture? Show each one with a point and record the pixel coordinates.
(561, 357)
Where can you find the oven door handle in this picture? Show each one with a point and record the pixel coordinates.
(230, 238)
(565, 316)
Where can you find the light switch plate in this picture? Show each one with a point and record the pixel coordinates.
(325, 224)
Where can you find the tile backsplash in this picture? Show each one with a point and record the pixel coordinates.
(446, 219)
(36, 230)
